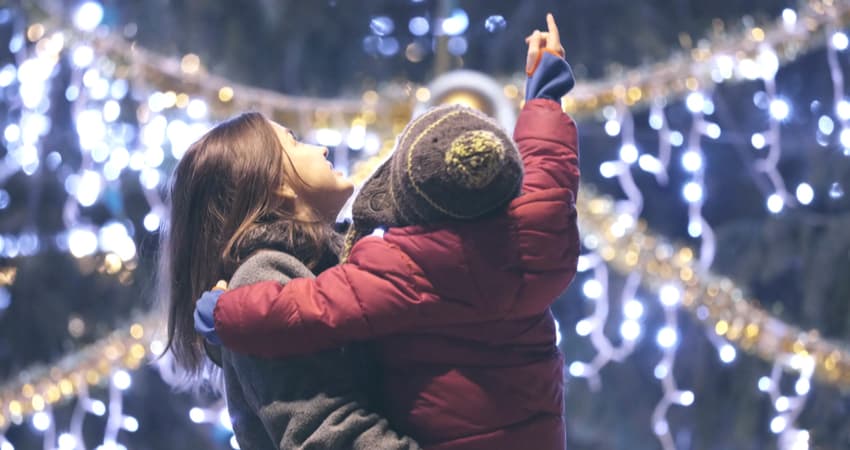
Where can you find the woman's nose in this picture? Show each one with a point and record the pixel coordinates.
(325, 152)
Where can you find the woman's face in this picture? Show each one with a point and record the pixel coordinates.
(324, 189)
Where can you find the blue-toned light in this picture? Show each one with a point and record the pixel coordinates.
(7, 75)
(495, 23)
(826, 125)
(836, 191)
(676, 138)
(419, 26)
(457, 45)
(382, 25)
(388, 46)
(456, 23)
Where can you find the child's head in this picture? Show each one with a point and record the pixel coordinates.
(231, 186)
(450, 163)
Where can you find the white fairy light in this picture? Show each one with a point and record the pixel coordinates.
(713, 131)
(88, 16)
(775, 203)
(612, 128)
(839, 41)
(609, 169)
(805, 193)
(592, 288)
(778, 424)
(686, 398)
(826, 125)
(844, 137)
(629, 153)
(577, 369)
(197, 415)
(650, 164)
(695, 102)
(633, 309)
(692, 160)
(727, 353)
(676, 138)
(669, 295)
(584, 327)
(121, 379)
(130, 424)
(630, 330)
(780, 109)
(789, 16)
(667, 337)
(692, 192)
(41, 421)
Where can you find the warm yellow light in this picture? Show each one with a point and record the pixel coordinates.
(112, 263)
(35, 32)
(137, 331)
(423, 94)
(190, 64)
(225, 94)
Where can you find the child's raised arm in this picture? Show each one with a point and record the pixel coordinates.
(546, 136)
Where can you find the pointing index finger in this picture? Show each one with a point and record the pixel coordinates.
(554, 37)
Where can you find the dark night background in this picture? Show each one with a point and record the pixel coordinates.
(796, 263)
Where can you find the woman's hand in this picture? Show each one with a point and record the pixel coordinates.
(539, 42)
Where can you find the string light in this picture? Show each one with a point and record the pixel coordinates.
(617, 233)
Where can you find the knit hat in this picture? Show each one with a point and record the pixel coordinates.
(450, 163)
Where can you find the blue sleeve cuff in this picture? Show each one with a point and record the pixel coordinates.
(204, 320)
(552, 79)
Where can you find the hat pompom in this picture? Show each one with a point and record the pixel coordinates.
(475, 158)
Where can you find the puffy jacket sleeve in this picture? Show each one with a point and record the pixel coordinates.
(379, 292)
(548, 143)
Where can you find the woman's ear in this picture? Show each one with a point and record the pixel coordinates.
(287, 193)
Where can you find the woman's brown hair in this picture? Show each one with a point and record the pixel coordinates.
(224, 198)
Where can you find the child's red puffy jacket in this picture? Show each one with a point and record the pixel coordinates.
(458, 313)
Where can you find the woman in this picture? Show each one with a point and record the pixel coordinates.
(246, 190)
(461, 328)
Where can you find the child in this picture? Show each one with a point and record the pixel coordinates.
(457, 311)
